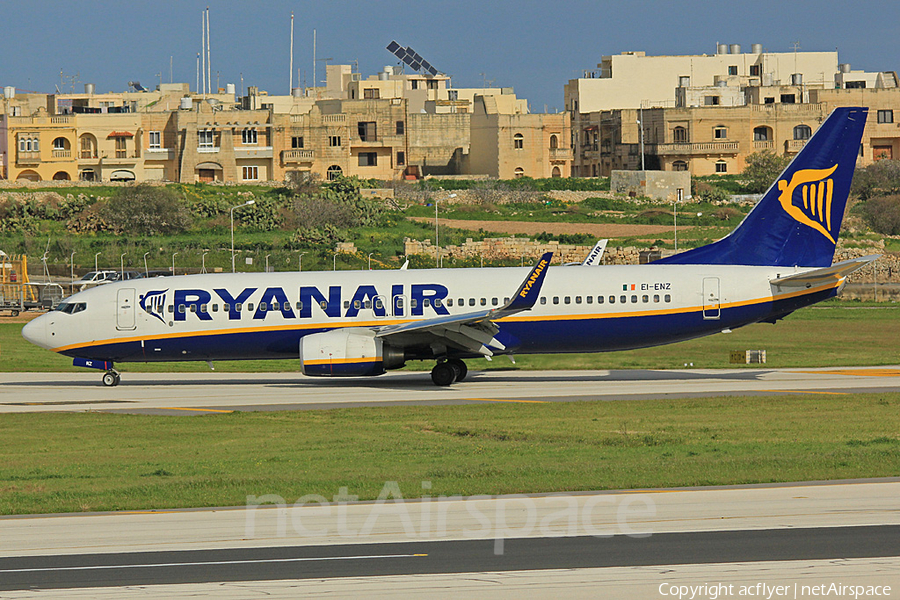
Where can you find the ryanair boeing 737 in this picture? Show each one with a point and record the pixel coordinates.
(360, 323)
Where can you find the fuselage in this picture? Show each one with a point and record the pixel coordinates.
(263, 316)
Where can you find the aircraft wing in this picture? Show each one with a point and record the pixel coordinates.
(833, 273)
(473, 331)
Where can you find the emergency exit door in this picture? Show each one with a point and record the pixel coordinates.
(711, 307)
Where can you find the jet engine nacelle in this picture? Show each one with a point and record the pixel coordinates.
(350, 352)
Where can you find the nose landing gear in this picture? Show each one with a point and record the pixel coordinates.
(447, 371)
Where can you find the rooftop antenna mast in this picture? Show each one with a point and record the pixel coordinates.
(291, 69)
(208, 61)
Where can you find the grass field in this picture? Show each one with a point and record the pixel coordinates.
(94, 461)
(831, 334)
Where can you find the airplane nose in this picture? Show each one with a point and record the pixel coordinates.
(36, 332)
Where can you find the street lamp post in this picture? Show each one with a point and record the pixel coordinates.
(173, 263)
(72, 271)
(370, 260)
(334, 261)
(122, 266)
(146, 271)
(247, 203)
(300, 262)
(203, 262)
(437, 245)
(95, 261)
(267, 262)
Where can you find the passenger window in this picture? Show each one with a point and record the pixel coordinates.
(347, 304)
(226, 308)
(612, 299)
(656, 297)
(623, 299)
(171, 309)
(461, 302)
(275, 306)
(203, 308)
(450, 302)
(506, 301)
(357, 304)
(398, 301)
(668, 298)
(413, 303)
(323, 305)
(577, 299)
(263, 307)
(379, 304)
(299, 305)
(250, 306)
(634, 298)
(426, 302)
(367, 304)
(471, 301)
(215, 307)
(181, 309)
(483, 302)
(600, 299)
(437, 302)
(555, 299)
(543, 300)
(495, 302)
(645, 298)
(568, 300)
(238, 307)
(590, 299)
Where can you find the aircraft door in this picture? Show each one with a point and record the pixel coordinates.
(125, 309)
(711, 307)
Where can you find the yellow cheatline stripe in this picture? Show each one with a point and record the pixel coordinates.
(858, 372)
(420, 555)
(194, 409)
(382, 323)
(502, 400)
(804, 392)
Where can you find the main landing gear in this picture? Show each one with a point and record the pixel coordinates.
(447, 371)
(111, 378)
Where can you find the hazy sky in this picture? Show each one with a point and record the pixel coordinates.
(534, 47)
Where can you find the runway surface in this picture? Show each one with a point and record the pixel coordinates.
(578, 544)
(179, 393)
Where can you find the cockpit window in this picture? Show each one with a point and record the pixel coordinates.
(70, 308)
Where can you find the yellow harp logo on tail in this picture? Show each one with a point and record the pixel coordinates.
(816, 190)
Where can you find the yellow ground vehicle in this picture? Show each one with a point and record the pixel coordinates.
(16, 292)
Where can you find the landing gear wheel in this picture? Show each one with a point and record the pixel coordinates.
(460, 367)
(111, 378)
(443, 374)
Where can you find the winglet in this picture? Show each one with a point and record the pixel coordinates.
(527, 294)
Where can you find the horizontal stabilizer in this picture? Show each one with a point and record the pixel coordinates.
(835, 272)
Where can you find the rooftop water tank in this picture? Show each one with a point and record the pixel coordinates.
(229, 88)
(844, 67)
(756, 48)
(721, 48)
(9, 92)
(187, 103)
(89, 88)
(797, 79)
(734, 49)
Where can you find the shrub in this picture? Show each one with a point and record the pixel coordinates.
(146, 210)
(881, 178)
(882, 213)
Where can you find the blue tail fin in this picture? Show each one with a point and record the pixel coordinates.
(798, 219)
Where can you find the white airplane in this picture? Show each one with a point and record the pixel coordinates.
(361, 323)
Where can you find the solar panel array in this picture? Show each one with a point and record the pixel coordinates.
(411, 58)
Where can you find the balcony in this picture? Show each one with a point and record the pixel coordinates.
(759, 145)
(794, 145)
(28, 158)
(160, 154)
(59, 153)
(564, 153)
(297, 155)
(689, 149)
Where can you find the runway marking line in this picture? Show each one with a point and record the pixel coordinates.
(502, 400)
(213, 410)
(804, 392)
(214, 562)
(859, 372)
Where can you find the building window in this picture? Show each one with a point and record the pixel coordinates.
(206, 138)
(520, 172)
(414, 84)
(367, 131)
(769, 100)
(518, 141)
(155, 139)
(720, 132)
(802, 132)
(401, 159)
(121, 147)
(250, 137)
(721, 167)
(855, 85)
(710, 100)
(250, 173)
(452, 94)
(554, 142)
(679, 165)
(556, 172)
(368, 159)
(755, 70)
(401, 128)
(680, 134)
(371, 94)
(334, 140)
(761, 134)
(297, 141)
(334, 172)
(885, 116)
(432, 84)
(59, 143)
(788, 99)
(732, 70)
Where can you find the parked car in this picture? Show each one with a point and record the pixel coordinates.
(126, 275)
(93, 278)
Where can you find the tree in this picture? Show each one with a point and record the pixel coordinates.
(762, 169)
(147, 210)
(881, 178)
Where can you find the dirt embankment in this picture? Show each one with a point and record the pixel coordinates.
(599, 230)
